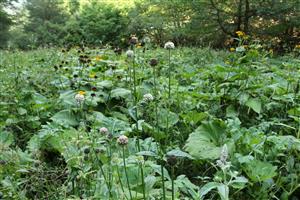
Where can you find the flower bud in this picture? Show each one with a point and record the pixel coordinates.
(103, 130)
(153, 62)
(122, 140)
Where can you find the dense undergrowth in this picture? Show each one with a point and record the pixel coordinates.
(200, 124)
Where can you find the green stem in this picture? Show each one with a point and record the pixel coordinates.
(163, 181)
(121, 184)
(136, 120)
(125, 169)
(172, 179)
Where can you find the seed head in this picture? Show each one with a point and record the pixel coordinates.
(169, 45)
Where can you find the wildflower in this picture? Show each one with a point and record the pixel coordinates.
(81, 92)
(79, 98)
(129, 54)
(139, 45)
(122, 140)
(98, 58)
(153, 62)
(103, 130)
(240, 33)
(232, 49)
(297, 46)
(169, 45)
(133, 40)
(148, 97)
(92, 75)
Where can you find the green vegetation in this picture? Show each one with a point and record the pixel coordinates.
(181, 123)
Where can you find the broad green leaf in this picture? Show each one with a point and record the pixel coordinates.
(284, 142)
(223, 191)
(66, 118)
(205, 141)
(167, 118)
(6, 138)
(120, 93)
(179, 153)
(254, 104)
(259, 171)
(207, 188)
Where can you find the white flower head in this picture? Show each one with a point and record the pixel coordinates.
(146, 40)
(122, 140)
(103, 130)
(129, 54)
(169, 45)
(79, 98)
(148, 97)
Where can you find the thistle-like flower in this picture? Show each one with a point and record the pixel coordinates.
(122, 140)
(79, 98)
(103, 130)
(148, 97)
(169, 45)
(153, 62)
(129, 54)
(133, 40)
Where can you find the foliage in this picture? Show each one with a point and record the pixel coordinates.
(214, 125)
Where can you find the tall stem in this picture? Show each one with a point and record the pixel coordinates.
(136, 119)
(157, 127)
(172, 179)
(126, 174)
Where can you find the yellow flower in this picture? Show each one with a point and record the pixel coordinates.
(139, 45)
(232, 49)
(297, 46)
(81, 92)
(92, 75)
(98, 58)
(240, 33)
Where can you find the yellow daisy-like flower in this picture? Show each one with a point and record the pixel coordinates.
(81, 92)
(139, 45)
(98, 58)
(240, 33)
(232, 49)
(92, 75)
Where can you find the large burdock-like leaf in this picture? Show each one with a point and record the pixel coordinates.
(259, 171)
(205, 141)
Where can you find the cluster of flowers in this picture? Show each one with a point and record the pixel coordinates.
(122, 140)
